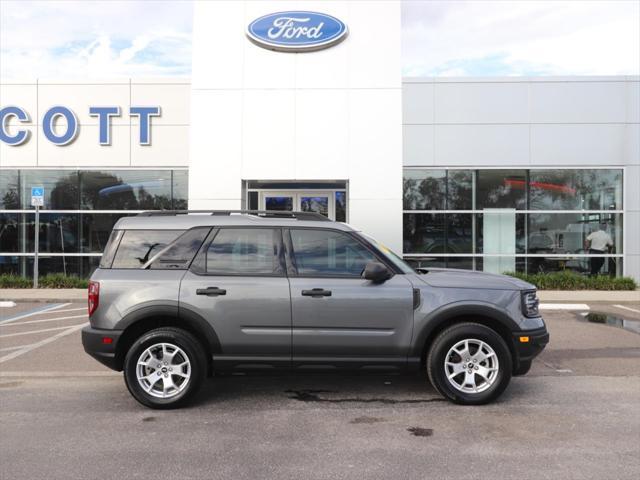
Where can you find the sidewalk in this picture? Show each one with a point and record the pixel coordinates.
(55, 295)
(589, 296)
(80, 294)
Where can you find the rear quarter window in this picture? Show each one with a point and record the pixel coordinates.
(110, 250)
(137, 247)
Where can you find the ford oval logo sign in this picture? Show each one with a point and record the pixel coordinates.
(296, 31)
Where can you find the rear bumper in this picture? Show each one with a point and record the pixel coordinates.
(527, 350)
(94, 344)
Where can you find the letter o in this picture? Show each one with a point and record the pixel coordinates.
(72, 125)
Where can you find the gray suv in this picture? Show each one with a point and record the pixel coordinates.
(183, 295)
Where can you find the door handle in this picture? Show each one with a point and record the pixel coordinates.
(316, 293)
(211, 291)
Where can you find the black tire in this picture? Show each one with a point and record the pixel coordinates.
(522, 369)
(448, 339)
(190, 347)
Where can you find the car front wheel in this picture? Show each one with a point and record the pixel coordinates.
(164, 368)
(469, 364)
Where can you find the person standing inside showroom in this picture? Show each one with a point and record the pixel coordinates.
(598, 242)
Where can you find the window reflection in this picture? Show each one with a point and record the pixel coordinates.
(125, 190)
(341, 206)
(502, 230)
(575, 189)
(9, 232)
(9, 190)
(561, 233)
(425, 189)
(438, 233)
(60, 188)
(459, 190)
(501, 189)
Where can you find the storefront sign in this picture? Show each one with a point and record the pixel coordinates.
(296, 31)
(67, 134)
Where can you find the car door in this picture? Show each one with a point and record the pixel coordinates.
(238, 284)
(337, 316)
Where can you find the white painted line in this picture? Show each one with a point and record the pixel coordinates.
(43, 320)
(41, 343)
(627, 308)
(7, 304)
(563, 306)
(31, 332)
(8, 349)
(65, 310)
(42, 310)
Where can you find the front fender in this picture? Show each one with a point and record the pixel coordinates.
(428, 321)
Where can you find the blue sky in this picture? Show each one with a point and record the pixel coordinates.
(151, 38)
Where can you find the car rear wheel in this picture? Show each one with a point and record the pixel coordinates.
(164, 368)
(469, 364)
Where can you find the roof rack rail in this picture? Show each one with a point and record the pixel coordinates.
(313, 216)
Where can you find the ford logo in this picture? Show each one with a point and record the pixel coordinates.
(296, 31)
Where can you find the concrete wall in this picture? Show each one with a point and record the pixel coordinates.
(169, 132)
(333, 114)
(530, 122)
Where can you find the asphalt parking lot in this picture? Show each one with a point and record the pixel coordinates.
(576, 415)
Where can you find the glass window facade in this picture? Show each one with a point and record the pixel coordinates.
(528, 220)
(80, 209)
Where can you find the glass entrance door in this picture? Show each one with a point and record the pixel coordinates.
(321, 202)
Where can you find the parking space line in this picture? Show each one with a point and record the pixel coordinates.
(44, 320)
(37, 311)
(627, 308)
(41, 343)
(31, 332)
(65, 310)
(8, 349)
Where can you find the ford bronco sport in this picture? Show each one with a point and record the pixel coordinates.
(182, 295)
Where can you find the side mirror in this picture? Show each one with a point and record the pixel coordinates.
(376, 272)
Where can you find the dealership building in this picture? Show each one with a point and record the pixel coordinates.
(493, 174)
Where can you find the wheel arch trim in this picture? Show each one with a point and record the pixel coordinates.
(442, 317)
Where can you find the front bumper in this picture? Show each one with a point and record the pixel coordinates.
(94, 344)
(527, 350)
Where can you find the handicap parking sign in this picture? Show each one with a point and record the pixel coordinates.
(37, 196)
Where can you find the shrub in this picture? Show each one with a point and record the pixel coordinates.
(51, 280)
(60, 280)
(568, 280)
(14, 281)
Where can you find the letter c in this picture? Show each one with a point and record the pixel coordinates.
(72, 125)
(22, 135)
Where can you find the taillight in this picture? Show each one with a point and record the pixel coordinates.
(94, 297)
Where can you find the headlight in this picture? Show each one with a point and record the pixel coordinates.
(530, 303)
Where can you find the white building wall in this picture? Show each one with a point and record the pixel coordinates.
(530, 122)
(333, 114)
(169, 132)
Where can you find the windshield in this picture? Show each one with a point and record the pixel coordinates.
(389, 254)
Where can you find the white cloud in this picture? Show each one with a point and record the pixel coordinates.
(521, 37)
(149, 38)
(95, 39)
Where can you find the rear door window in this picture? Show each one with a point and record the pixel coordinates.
(137, 247)
(245, 251)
